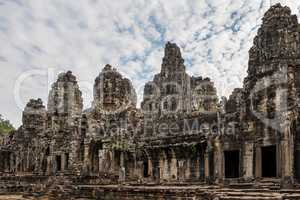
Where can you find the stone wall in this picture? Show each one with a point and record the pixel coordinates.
(182, 133)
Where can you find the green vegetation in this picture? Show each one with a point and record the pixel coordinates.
(5, 126)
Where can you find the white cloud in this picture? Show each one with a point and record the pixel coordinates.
(84, 35)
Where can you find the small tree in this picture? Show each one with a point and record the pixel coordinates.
(5, 126)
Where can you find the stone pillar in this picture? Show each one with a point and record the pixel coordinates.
(173, 166)
(27, 160)
(161, 166)
(49, 165)
(206, 166)
(258, 162)
(196, 168)
(248, 161)
(74, 159)
(137, 165)
(16, 163)
(287, 164)
(219, 162)
(86, 159)
(181, 173)
(139, 169)
(187, 174)
(122, 170)
(13, 162)
(101, 160)
(150, 167)
(165, 168)
(63, 162)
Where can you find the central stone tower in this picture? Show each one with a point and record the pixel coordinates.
(174, 91)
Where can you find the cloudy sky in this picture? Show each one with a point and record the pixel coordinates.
(40, 38)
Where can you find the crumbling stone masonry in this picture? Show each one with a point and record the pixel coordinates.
(181, 134)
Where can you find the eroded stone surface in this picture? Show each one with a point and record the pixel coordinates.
(182, 135)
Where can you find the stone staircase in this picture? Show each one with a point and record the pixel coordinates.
(270, 184)
(245, 195)
(59, 187)
(254, 194)
(66, 187)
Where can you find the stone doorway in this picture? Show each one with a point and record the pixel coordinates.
(95, 146)
(58, 163)
(232, 164)
(202, 167)
(269, 161)
(295, 130)
(146, 168)
(297, 164)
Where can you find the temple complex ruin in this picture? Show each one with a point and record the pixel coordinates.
(182, 134)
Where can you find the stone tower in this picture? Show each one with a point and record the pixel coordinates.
(276, 45)
(273, 66)
(34, 116)
(269, 95)
(174, 91)
(65, 101)
(112, 92)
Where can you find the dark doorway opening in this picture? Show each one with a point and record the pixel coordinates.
(67, 161)
(44, 165)
(58, 163)
(295, 130)
(94, 155)
(201, 149)
(156, 171)
(269, 161)
(232, 164)
(297, 164)
(146, 168)
(202, 166)
(47, 153)
(211, 165)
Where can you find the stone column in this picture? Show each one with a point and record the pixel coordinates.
(49, 165)
(86, 159)
(258, 162)
(16, 164)
(196, 167)
(187, 174)
(173, 166)
(12, 163)
(161, 166)
(219, 162)
(137, 165)
(101, 159)
(63, 162)
(181, 170)
(122, 171)
(27, 160)
(248, 161)
(206, 166)
(150, 167)
(74, 160)
(165, 168)
(287, 150)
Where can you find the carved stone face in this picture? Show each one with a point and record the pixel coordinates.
(112, 92)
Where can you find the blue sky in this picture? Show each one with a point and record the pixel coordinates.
(41, 38)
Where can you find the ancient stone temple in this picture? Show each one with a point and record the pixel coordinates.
(182, 143)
